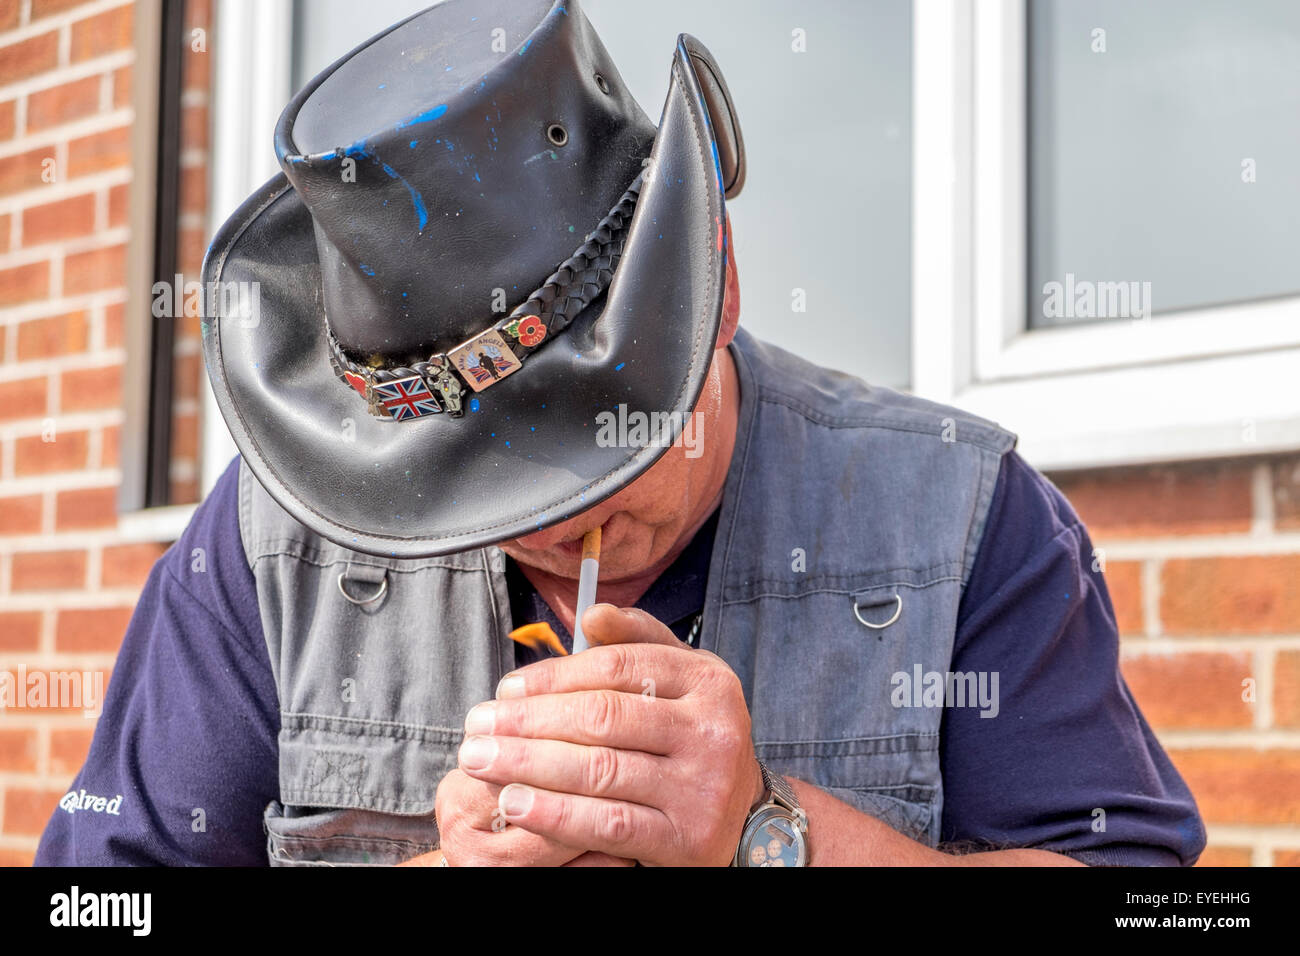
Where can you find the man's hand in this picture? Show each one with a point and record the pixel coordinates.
(638, 748)
(473, 832)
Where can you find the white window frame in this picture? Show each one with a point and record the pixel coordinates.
(251, 84)
(1201, 383)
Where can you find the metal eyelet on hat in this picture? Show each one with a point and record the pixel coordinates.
(557, 134)
(602, 83)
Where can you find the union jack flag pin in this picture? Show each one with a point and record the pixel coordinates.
(405, 398)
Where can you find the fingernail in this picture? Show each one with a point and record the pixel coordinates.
(515, 800)
(512, 685)
(481, 719)
(477, 753)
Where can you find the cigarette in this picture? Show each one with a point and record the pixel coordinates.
(586, 584)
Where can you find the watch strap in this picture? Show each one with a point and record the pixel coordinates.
(779, 789)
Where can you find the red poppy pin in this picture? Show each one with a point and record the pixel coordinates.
(528, 329)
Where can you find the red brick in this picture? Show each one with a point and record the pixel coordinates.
(1286, 493)
(23, 398)
(1190, 690)
(8, 117)
(9, 14)
(97, 629)
(27, 810)
(35, 457)
(187, 370)
(191, 245)
(28, 57)
(48, 570)
(1243, 786)
(5, 222)
(1286, 689)
(68, 749)
(110, 149)
(102, 34)
(1198, 498)
(17, 858)
(64, 219)
(114, 325)
(111, 446)
(18, 750)
(118, 198)
(183, 491)
(91, 388)
(1248, 595)
(197, 71)
(185, 436)
(1286, 857)
(43, 8)
(20, 515)
(94, 270)
(63, 103)
(67, 334)
(24, 283)
(128, 565)
(20, 630)
(122, 87)
(1124, 582)
(194, 189)
(86, 508)
(198, 13)
(189, 327)
(1225, 856)
(24, 171)
(194, 127)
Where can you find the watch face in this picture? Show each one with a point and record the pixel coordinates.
(774, 840)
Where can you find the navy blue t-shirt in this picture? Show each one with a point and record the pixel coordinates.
(188, 734)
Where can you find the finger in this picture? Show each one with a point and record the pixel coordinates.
(473, 831)
(649, 669)
(627, 830)
(599, 859)
(607, 624)
(604, 718)
(567, 768)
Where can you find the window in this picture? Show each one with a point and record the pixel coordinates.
(1005, 204)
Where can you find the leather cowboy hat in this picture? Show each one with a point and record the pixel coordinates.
(477, 243)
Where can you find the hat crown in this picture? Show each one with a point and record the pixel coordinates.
(452, 163)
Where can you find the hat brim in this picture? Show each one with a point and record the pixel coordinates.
(529, 456)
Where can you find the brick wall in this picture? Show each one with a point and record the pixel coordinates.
(1203, 564)
(69, 574)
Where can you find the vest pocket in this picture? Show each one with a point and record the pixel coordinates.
(312, 837)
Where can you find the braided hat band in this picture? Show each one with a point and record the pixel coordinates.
(437, 384)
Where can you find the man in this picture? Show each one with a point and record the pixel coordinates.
(854, 628)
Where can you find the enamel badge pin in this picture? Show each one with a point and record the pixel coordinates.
(484, 360)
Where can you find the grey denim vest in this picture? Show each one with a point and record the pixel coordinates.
(838, 494)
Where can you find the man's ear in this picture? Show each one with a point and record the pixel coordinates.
(731, 298)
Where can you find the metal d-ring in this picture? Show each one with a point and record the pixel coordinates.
(383, 588)
(879, 627)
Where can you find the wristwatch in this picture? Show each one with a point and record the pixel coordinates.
(776, 833)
